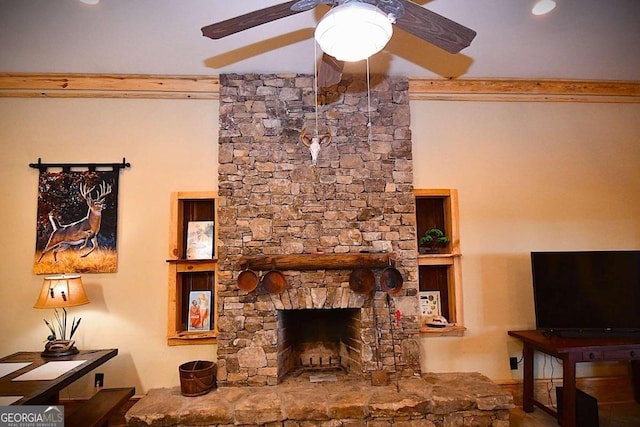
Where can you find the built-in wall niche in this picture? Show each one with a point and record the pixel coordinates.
(192, 281)
(436, 278)
(195, 289)
(189, 212)
(441, 272)
(430, 213)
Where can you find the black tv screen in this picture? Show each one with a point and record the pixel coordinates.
(587, 293)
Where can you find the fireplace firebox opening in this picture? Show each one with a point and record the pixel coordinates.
(318, 340)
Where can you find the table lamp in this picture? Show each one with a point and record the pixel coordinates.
(61, 292)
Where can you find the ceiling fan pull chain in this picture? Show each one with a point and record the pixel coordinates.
(315, 80)
(368, 103)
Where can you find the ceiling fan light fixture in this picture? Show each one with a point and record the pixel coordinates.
(542, 7)
(353, 31)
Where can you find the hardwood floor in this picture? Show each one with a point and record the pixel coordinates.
(616, 407)
(610, 415)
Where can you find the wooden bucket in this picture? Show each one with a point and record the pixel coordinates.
(197, 377)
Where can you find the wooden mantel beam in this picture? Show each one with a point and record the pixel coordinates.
(316, 261)
(27, 85)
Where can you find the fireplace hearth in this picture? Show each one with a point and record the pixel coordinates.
(455, 399)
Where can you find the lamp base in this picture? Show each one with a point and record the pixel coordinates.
(59, 348)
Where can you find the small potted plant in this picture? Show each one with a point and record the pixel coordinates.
(433, 239)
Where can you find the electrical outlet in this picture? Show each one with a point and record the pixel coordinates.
(98, 382)
(513, 362)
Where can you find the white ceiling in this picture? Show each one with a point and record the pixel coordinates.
(580, 39)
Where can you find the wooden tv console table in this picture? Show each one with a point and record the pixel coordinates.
(572, 351)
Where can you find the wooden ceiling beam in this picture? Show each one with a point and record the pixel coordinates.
(56, 85)
(525, 90)
(108, 86)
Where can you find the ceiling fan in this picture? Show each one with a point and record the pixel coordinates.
(409, 16)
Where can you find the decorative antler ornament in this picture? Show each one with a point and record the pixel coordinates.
(315, 143)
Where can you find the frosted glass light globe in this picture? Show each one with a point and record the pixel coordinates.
(353, 31)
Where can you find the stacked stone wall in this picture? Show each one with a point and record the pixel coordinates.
(273, 201)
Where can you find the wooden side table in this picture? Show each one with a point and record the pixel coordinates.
(572, 351)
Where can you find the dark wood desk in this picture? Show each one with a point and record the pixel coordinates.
(45, 392)
(572, 351)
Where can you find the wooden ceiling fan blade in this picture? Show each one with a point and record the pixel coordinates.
(249, 20)
(330, 72)
(436, 29)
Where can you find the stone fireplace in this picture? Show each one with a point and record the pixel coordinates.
(273, 203)
(357, 206)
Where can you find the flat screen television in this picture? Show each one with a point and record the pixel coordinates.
(594, 293)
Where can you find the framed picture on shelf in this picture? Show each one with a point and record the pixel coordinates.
(199, 311)
(199, 240)
(430, 304)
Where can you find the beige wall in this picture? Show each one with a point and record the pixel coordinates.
(171, 145)
(531, 176)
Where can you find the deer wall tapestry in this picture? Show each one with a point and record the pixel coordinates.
(77, 222)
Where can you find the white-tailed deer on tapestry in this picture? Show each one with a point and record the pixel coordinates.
(82, 231)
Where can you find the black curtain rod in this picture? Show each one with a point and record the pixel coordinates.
(66, 167)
